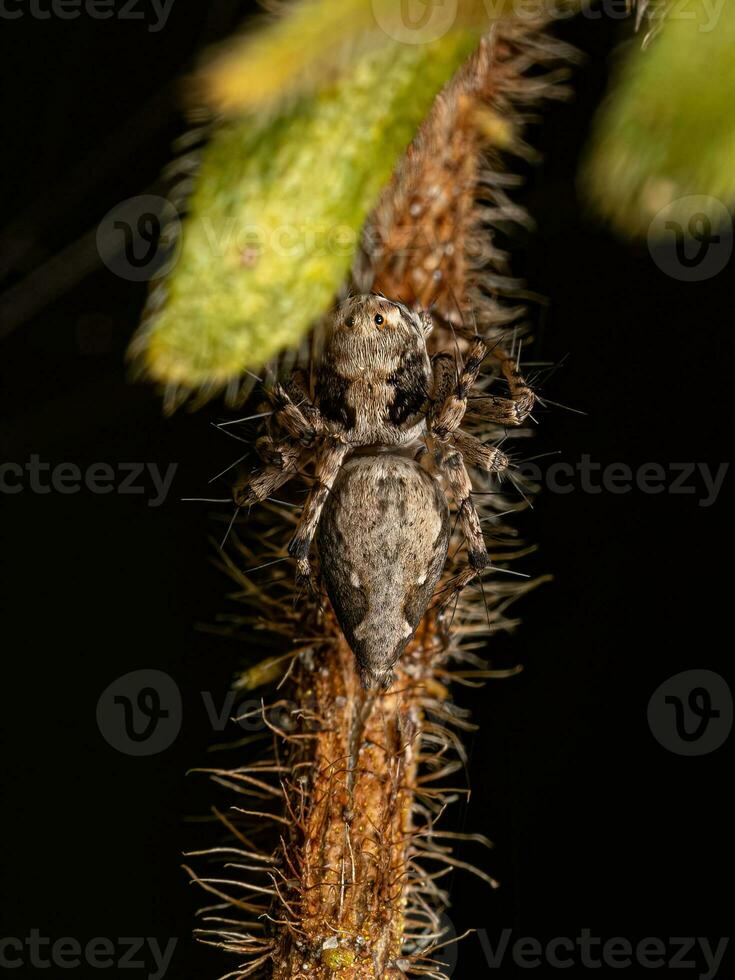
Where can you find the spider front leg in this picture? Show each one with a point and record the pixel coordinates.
(476, 453)
(294, 411)
(283, 461)
(449, 412)
(329, 459)
(507, 411)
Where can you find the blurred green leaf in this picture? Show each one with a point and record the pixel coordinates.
(316, 41)
(668, 129)
(276, 216)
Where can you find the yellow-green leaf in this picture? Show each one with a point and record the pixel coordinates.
(668, 129)
(276, 216)
(316, 41)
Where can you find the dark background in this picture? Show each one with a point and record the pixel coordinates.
(595, 824)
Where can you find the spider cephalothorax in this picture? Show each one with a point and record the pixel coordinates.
(375, 376)
(377, 391)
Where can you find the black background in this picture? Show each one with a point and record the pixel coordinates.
(595, 824)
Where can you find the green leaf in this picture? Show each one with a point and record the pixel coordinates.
(276, 216)
(668, 130)
(316, 41)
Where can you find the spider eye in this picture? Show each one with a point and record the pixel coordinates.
(350, 321)
(378, 319)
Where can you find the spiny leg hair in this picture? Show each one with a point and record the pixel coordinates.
(455, 448)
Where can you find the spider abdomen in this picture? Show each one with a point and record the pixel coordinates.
(383, 541)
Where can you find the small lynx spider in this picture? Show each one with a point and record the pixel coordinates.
(377, 392)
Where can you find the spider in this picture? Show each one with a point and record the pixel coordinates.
(377, 390)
